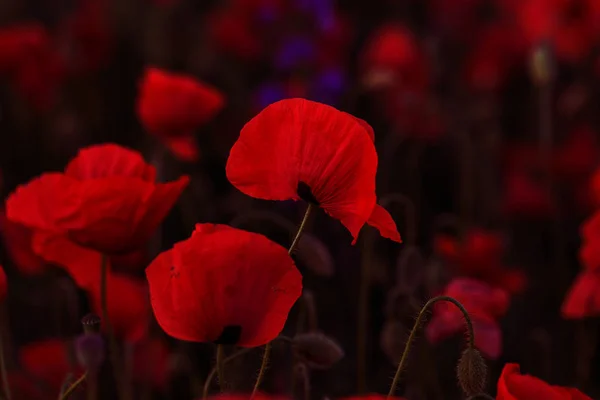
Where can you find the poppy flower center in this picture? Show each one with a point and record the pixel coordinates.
(230, 335)
(306, 194)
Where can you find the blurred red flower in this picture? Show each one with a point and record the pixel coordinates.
(299, 149)
(233, 33)
(570, 26)
(17, 42)
(223, 285)
(392, 57)
(18, 242)
(485, 305)
(575, 159)
(479, 255)
(106, 200)
(171, 106)
(583, 298)
(48, 362)
(3, 284)
(105, 203)
(525, 197)
(513, 385)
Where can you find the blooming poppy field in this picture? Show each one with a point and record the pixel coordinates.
(299, 199)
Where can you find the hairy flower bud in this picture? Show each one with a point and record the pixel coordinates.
(471, 372)
(316, 350)
(90, 350)
(91, 323)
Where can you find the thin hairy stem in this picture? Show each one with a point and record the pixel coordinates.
(417, 325)
(265, 359)
(220, 366)
(74, 386)
(213, 372)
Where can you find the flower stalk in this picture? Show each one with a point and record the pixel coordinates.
(266, 354)
(417, 325)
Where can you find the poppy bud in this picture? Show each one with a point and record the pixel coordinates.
(90, 350)
(316, 350)
(471, 372)
(91, 323)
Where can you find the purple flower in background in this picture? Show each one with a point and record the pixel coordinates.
(294, 51)
(268, 93)
(328, 86)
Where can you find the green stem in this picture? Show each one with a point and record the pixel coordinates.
(220, 366)
(74, 386)
(265, 359)
(417, 325)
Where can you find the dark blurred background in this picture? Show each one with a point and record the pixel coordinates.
(485, 118)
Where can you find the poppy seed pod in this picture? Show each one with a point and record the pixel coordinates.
(91, 323)
(316, 350)
(471, 372)
(90, 349)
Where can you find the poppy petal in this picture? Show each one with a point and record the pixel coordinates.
(583, 298)
(108, 160)
(184, 147)
(224, 281)
(296, 141)
(383, 221)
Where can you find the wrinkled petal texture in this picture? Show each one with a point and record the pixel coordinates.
(111, 215)
(222, 277)
(512, 385)
(296, 140)
(583, 298)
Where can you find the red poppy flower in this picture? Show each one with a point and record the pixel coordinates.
(583, 298)
(224, 285)
(484, 303)
(48, 362)
(17, 240)
(479, 256)
(299, 149)
(172, 106)
(594, 188)
(105, 200)
(513, 385)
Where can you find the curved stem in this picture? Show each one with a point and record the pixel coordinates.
(212, 373)
(265, 359)
(417, 325)
(220, 366)
(74, 386)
